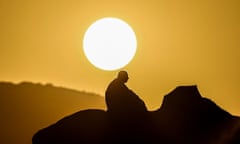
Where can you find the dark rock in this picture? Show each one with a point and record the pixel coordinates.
(185, 117)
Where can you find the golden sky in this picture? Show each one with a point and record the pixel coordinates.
(179, 43)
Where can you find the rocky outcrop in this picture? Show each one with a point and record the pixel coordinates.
(185, 117)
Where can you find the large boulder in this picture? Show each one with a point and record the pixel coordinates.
(185, 117)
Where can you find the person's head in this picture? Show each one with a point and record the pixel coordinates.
(123, 76)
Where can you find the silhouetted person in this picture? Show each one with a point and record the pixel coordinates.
(120, 99)
(128, 113)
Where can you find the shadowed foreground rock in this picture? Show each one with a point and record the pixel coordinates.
(185, 117)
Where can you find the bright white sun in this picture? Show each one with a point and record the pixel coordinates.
(109, 44)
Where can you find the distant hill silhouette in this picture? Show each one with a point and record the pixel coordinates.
(185, 117)
(26, 107)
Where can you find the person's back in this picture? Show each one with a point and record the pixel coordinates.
(127, 113)
(120, 99)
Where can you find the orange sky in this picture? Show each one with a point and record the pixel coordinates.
(179, 43)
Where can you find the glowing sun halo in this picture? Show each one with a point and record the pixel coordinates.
(109, 44)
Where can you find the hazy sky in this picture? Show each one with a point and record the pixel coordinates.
(179, 43)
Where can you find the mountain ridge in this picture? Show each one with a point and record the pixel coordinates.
(46, 85)
(26, 107)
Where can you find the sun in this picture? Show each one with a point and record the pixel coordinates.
(109, 43)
